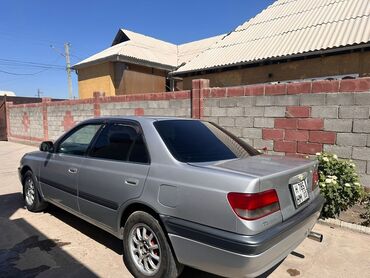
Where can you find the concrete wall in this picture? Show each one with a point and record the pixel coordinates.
(350, 63)
(296, 119)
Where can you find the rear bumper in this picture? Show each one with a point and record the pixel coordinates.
(234, 255)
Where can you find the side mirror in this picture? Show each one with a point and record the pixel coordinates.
(47, 146)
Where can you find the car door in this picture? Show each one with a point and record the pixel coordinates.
(115, 171)
(58, 173)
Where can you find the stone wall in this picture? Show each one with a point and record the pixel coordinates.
(295, 119)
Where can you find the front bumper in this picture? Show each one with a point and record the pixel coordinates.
(234, 255)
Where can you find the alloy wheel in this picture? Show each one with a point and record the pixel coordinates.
(145, 249)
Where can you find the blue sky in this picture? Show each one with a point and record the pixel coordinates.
(28, 29)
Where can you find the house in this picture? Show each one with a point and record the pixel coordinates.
(290, 40)
(135, 63)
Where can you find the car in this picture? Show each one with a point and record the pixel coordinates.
(178, 192)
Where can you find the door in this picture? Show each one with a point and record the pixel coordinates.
(114, 171)
(59, 172)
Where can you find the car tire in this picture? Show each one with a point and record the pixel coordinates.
(31, 194)
(146, 251)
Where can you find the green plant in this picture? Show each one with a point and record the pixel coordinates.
(339, 183)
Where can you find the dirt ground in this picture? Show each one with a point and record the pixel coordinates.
(353, 215)
(55, 243)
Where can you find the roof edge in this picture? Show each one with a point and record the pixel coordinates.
(125, 59)
(304, 54)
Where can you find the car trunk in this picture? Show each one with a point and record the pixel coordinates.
(273, 172)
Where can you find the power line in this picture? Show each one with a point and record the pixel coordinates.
(30, 66)
(29, 74)
(28, 63)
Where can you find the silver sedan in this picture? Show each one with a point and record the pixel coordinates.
(177, 192)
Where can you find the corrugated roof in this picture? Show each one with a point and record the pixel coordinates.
(188, 51)
(138, 47)
(147, 50)
(286, 28)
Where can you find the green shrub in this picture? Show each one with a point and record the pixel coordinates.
(339, 183)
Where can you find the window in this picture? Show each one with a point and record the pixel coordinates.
(121, 142)
(78, 142)
(196, 141)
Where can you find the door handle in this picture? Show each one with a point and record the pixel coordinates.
(131, 181)
(72, 170)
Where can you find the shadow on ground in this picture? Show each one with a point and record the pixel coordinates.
(26, 252)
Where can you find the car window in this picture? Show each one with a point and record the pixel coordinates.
(78, 142)
(120, 142)
(197, 141)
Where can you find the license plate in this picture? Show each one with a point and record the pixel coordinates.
(300, 192)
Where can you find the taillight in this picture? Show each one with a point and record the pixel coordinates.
(252, 206)
(315, 179)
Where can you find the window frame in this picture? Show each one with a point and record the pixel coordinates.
(133, 124)
(72, 131)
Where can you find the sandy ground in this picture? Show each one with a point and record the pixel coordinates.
(55, 243)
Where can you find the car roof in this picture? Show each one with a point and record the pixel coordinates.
(139, 119)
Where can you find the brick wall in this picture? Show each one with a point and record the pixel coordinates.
(298, 119)
(35, 122)
(295, 119)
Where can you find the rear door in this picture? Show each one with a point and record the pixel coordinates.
(114, 171)
(59, 172)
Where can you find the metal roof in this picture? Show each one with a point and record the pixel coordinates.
(133, 47)
(287, 28)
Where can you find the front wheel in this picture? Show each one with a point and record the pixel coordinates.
(146, 251)
(32, 198)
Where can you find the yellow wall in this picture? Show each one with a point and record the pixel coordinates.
(97, 78)
(357, 62)
(119, 79)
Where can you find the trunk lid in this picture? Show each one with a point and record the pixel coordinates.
(273, 172)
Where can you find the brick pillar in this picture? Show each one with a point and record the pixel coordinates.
(197, 91)
(7, 111)
(45, 123)
(97, 97)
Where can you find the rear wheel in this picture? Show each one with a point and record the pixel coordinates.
(31, 195)
(146, 251)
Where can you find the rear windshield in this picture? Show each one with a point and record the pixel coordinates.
(196, 141)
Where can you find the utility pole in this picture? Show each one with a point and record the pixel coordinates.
(39, 93)
(68, 62)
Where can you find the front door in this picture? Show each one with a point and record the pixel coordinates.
(113, 172)
(59, 172)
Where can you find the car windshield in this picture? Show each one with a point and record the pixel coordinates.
(197, 141)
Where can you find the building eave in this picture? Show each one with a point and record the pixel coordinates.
(125, 59)
(268, 60)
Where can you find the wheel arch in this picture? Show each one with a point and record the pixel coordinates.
(137, 206)
(24, 170)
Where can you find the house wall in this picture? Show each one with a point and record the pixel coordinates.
(296, 119)
(357, 62)
(120, 79)
(96, 78)
(134, 79)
